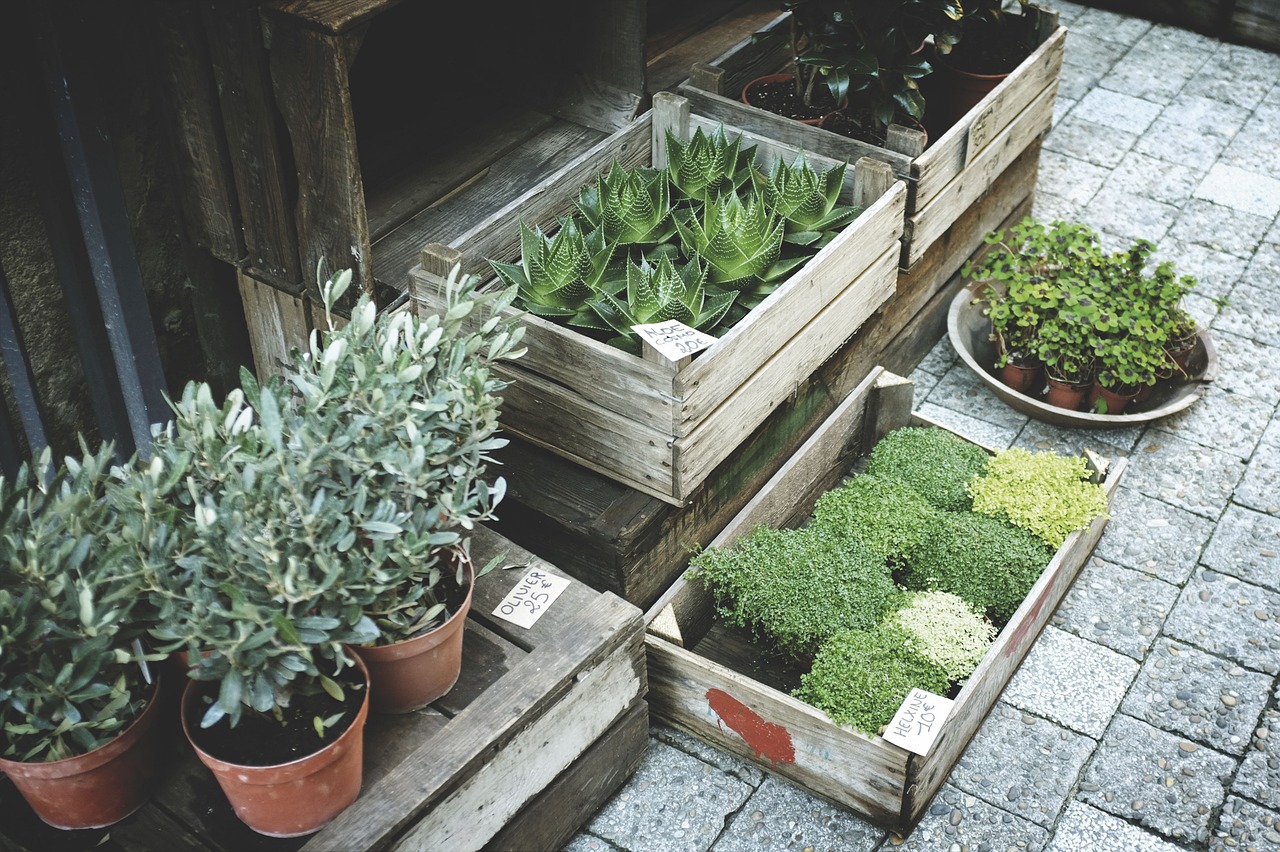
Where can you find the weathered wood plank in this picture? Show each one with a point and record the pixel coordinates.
(328, 16)
(1257, 22)
(277, 322)
(668, 65)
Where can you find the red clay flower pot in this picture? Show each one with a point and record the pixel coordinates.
(1065, 394)
(1020, 377)
(1116, 401)
(99, 788)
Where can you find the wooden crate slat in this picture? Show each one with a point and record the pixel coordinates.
(942, 161)
(329, 16)
(746, 61)
(929, 223)
(667, 66)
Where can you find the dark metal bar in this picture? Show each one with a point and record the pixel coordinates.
(21, 379)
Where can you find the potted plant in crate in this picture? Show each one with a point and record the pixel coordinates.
(992, 42)
(313, 524)
(78, 703)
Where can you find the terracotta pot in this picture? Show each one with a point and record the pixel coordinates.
(1020, 377)
(295, 798)
(954, 92)
(99, 788)
(410, 674)
(1064, 394)
(786, 77)
(1116, 401)
(1181, 354)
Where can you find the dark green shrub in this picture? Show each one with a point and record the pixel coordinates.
(989, 563)
(886, 516)
(797, 587)
(860, 677)
(933, 461)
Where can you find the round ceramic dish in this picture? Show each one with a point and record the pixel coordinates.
(969, 332)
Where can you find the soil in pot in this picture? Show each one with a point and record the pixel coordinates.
(856, 124)
(776, 93)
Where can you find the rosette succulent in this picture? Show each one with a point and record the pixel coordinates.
(630, 206)
(556, 275)
(808, 201)
(708, 166)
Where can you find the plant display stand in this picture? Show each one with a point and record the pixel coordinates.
(543, 726)
(655, 425)
(713, 683)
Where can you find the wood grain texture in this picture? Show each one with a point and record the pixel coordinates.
(669, 63)
(327, 16)
(1256, 22)
(277, 322)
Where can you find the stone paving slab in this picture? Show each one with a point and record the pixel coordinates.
(1117, 607)
(922, 382)
(1204, 698)
(673, 802)
(1254, 146)
(1118, 110)
(1089, 141)
(1071, 681)
(1259, 488)
(1216, 272)
(1039, 436)
(1246, 544)
(1245, 826)
(1183, 473)
(1213, 225)
(957, 819)
(982, 431)
(1191, 130)
(1229, 618)
(1147, 177)
(1109, 26)
(1131, 217)
(1237, 75)
(1074, 180)
(1086, 829)
(1157, 779)
(1247, 368)
(1253, 313)
(939, 359)
(1023, 764)
(962, 391)
(781, 815)
(1259, 775)
(707, 753)
(1221, 420)
(1151, 536)
(1241, 189)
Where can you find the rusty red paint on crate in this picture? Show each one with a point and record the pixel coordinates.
(766, 739)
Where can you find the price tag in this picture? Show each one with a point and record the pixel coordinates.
(673, 339)
(526, 603)
(916, 724)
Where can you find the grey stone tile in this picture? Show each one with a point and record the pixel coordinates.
(1216, 272)
(1087, 829)
(781, 815)
(1182, 473)
(1069, 12)
(1110, 443)
(1229, 618)
(1247, 368)
(1110, 26)
(1226, 421)
(1222, 228)
(1185, 691)
(673, 802)
(1151, 536)
(1157, 779)
(1023, 764)
(923, 382)
(1148, 177)
(1091, 55)
(1241, 189)
(1252, 313)
(982, 431)
(1116, 607)
(1047, 207)
(1061, 106)
(1158, 67)
(1244, 825)
(1067, 177)
(959, 820)
(584, 842)
(1254, 148)
(1075, 82)
(1192, 129)
(1085, 140)
(1264, 265)
(1237, 75)
(1246, 544)
(1130, 216)
(1259, 775)
(962, 391)
(940, 358)
(707, 753)
(1259, 488)
(1117, 110)
(1071, 681)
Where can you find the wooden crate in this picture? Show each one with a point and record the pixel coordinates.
(661, 427)
(628, 542)
(710, 681)
(944, 179)
(542, 727)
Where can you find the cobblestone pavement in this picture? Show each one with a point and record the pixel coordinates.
(1147, 716)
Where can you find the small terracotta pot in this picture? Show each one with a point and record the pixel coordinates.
(295, 798)
(1181, 355)
(410, 674)
(1116, 402)
(954, 92)
(99, 788)
(1065, 394)
(785, 77)
(1021, 378)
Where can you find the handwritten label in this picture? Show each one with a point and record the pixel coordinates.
(531, 597)
(673, 339)
(916, 724)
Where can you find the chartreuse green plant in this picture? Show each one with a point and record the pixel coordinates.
(936, 463)
(797, 587)
(946, 631)
(881, 513)
(558, 274)
(317, 513)
(860, 677)
(71, 617)
(629, 206)
(1045, 493)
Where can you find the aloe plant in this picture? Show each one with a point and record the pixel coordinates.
(630, 206)
(661, 291)
(556, 275)
(807, 200)
(708, 166)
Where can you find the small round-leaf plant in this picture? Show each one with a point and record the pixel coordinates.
(1048, 494)
(946, 631)
(934, 462)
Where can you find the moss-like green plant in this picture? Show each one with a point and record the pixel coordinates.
(797, 587)
(1045, 493)
(988, 562)
(860, 677)
(946, 631)
(937, 463)
(883, 514)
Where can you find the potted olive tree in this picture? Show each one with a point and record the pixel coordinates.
(78, 734)
(319, 514)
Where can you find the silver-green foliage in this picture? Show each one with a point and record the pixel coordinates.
(70, 611)
(946, 631)
(1045, 493)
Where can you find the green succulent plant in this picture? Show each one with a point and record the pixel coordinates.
(742, 242)
(808, 201)
(708, 166)
(629, 206)
(557, 274)
(662, 291)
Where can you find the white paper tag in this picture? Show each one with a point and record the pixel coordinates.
(673, 339)
(531, 597)
(916, 724)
